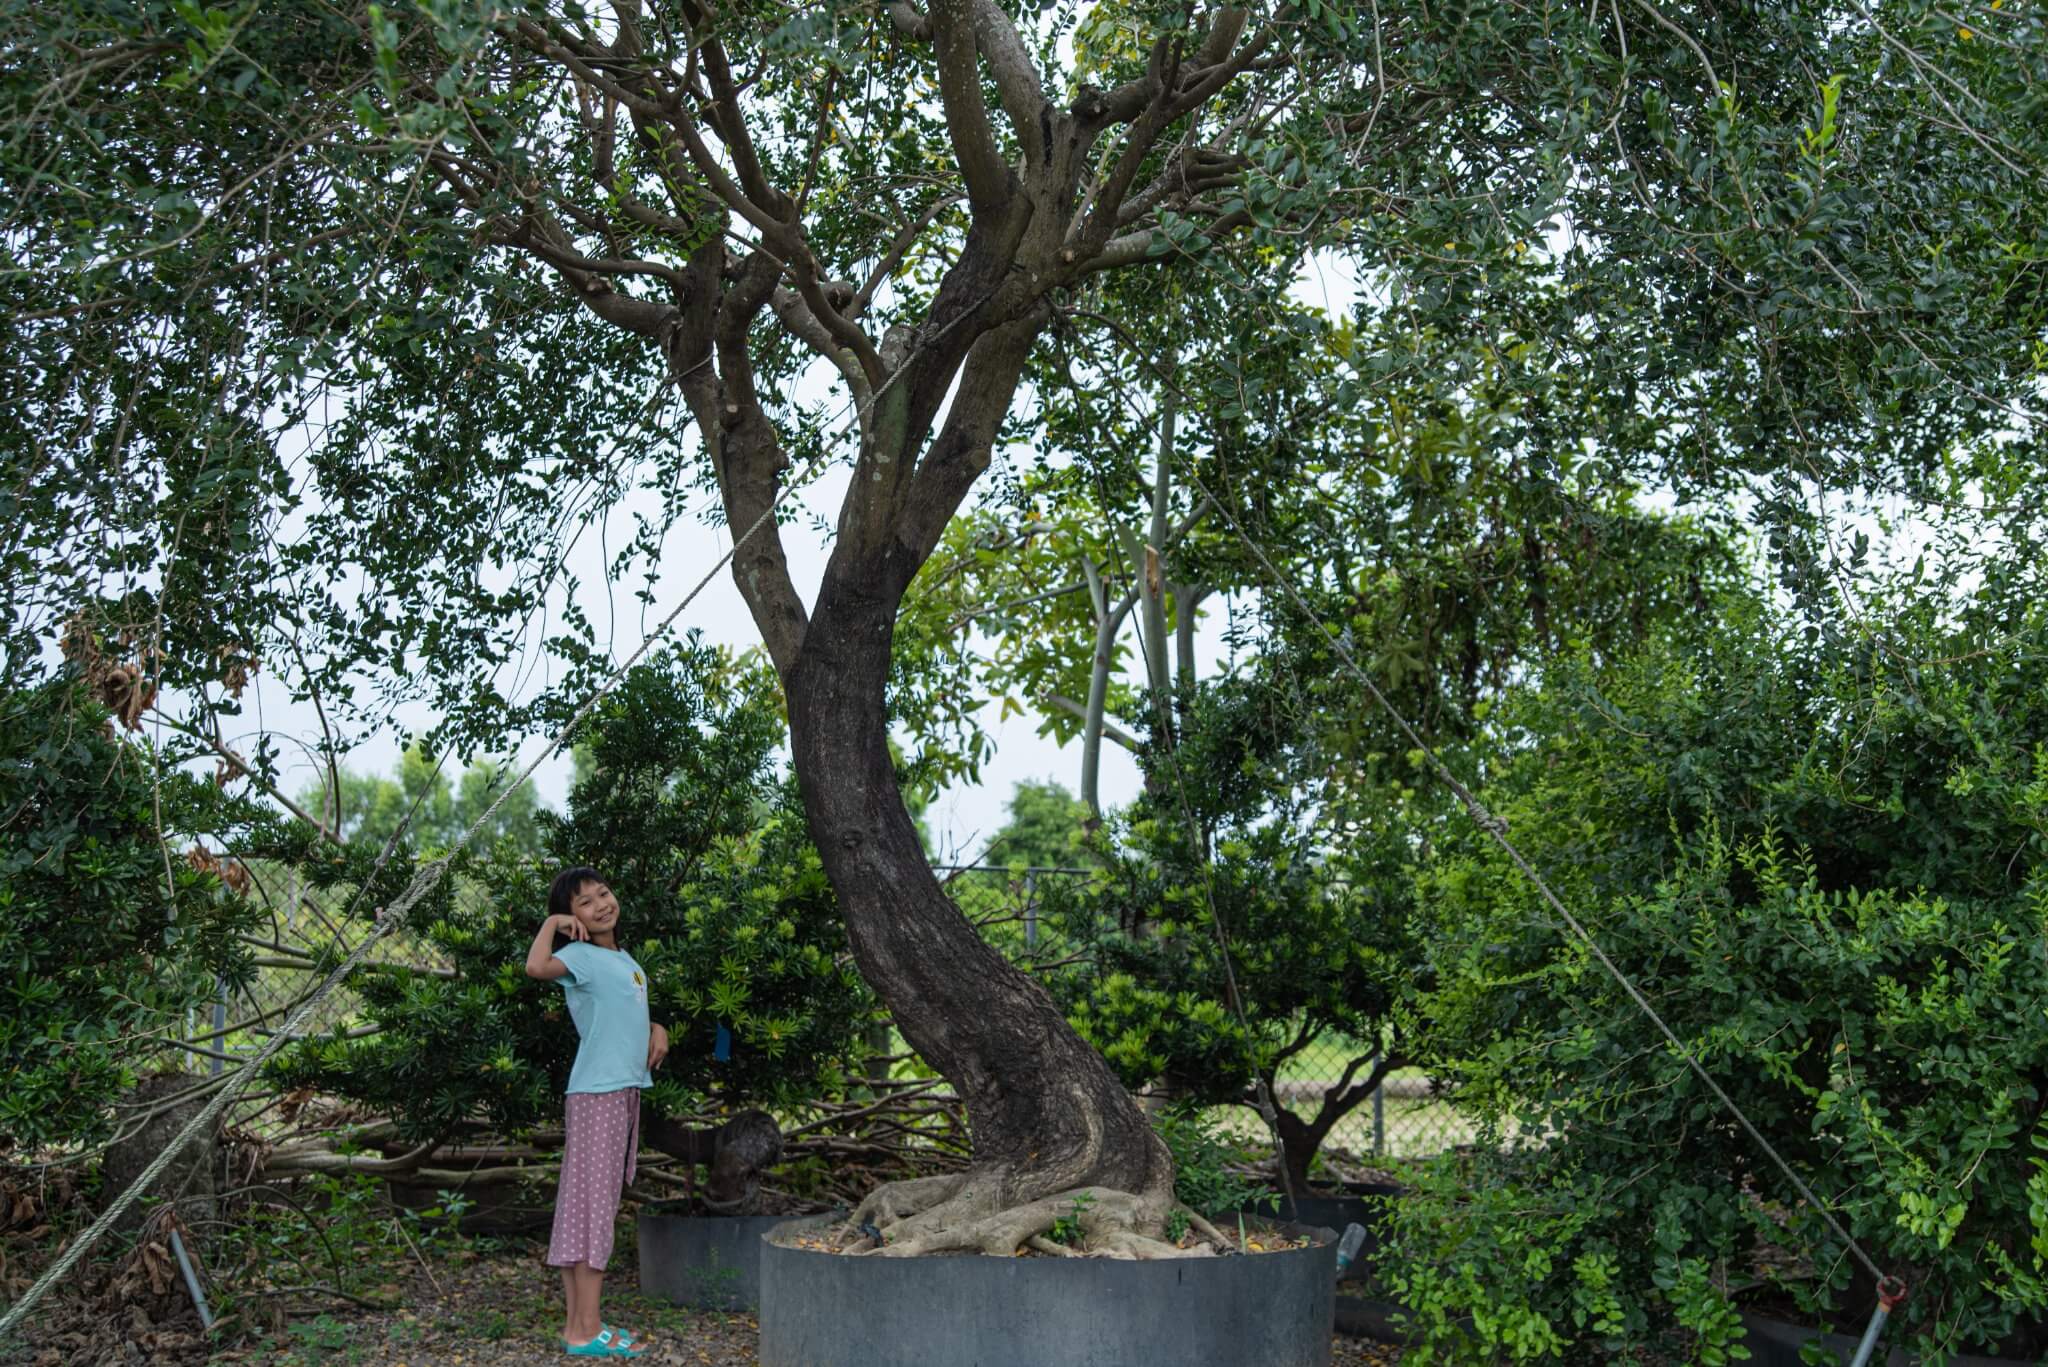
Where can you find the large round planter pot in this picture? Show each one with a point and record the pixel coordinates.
(827, 1310)
(706, 1262)
(1774, 1343)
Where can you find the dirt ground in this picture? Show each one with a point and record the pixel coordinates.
(498, 1306)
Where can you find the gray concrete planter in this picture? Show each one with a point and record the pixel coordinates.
(824, 1310)
(706, 1262)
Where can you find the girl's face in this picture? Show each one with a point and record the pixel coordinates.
(593, 905)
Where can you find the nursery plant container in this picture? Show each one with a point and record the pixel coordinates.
(705, 1262)
(1771, 1342)
(1775, 1343)
(1355, 1203)
(829, 1310)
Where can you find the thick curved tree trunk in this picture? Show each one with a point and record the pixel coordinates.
(1048, 1115)
(1049, 1118)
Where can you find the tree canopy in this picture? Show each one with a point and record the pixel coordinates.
(293, 284)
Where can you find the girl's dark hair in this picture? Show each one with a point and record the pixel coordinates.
(563, 891)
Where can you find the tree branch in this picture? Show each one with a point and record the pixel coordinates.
(898, 249)
(729, 118)
(572, 262)
(543, 43)
(1129, 249)
(1092, 227)
(1110, 730)
(1016, 76)
(797, 317)
(843, 330)
(714, 175)
(1218, 66)
(586, 278)
(967, 122)
(242, 767)
(909, 22)
(988, 380)
(747, 457)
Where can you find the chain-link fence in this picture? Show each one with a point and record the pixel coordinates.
(309, 929)
(1400, 1118)
(306, 931)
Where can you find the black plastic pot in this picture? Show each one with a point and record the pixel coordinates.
(829, 1310)
(706, 1262)
(1355, 1203)
(1774, 1343)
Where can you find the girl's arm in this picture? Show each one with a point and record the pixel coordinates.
(540, 959)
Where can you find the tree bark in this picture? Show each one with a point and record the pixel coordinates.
(1108, 623)
(1301, 1140)
(1047, 1113)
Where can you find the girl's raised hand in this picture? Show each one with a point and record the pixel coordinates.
(570, 927)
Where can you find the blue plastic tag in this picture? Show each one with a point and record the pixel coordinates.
(723, 1049)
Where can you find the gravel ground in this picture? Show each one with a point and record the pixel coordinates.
(497, 1308)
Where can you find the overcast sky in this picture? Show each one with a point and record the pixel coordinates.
(961, 820)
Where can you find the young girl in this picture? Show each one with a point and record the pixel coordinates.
(617, 1046)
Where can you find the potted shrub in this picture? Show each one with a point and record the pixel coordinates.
(1320, 947)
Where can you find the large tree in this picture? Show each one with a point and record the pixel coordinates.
(474, 250)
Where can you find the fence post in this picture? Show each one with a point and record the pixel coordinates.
(220, 1024)
(1379, 1120)
(1030, 909)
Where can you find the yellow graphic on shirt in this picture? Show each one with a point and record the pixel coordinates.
(637, 981)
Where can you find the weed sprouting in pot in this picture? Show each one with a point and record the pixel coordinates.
(1067, 1229)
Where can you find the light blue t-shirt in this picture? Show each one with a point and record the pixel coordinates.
(608, 1001)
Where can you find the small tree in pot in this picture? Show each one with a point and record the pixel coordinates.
(1318, 947)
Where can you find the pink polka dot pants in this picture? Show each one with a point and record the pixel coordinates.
(597, 1161)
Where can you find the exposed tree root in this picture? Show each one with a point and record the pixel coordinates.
(1204, 1228)
(890, 1204)
(966, 1213)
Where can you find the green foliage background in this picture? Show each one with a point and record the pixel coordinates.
(723, 903)
(1824, 856)
(109, 934)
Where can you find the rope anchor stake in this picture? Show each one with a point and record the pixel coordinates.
(1890, 1292)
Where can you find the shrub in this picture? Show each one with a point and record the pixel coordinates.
(1319, 940)
(1208, 1174)
(113, 923)
(724, 905)
(1825, 866)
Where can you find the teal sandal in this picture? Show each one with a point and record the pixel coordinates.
(609, 1343)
